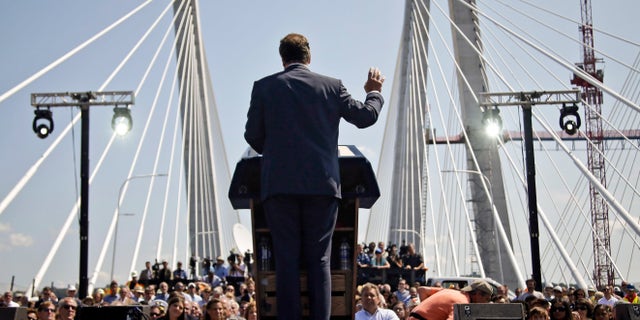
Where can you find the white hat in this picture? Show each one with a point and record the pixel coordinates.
(134, 274)
(71, 288)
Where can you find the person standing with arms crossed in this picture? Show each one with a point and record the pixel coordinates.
(293, 122)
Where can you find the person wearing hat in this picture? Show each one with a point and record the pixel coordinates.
(439, 306)
(98, 296)
(379, 261)
(192, 292)
(157, 310)
(557, 292)
(591, 294)
(219, 269)
(71, 293)
(631, 296)
(133, 282)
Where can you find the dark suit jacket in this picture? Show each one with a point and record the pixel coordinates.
(293, 122)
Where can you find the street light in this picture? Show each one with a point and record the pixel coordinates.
(115, 236)
(526, 100)
(83, 100)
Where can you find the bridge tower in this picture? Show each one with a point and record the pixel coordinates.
(399, 214)
(211, 217)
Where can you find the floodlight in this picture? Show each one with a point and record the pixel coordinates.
(571, 124)
(43, 122)
(121, 121)
(492, 122)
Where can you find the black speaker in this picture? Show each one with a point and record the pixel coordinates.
(113, 313)
(627, 311)
(7, 313)
(486, 311)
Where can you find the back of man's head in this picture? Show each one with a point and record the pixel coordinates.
(294, 47)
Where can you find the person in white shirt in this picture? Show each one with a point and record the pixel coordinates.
(370, 297)
(608, 298)
(8, 300)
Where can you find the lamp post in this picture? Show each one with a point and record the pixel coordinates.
(84, 100)
(115, 236)
(526, 100)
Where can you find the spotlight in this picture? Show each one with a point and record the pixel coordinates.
(570, 125)
(121, 121)
(43, 122)
(492, 122)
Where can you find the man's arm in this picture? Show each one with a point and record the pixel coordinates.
(365, 114)
(254, 128)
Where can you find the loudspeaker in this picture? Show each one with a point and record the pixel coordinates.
(486, 311)
(627, 311)
(7, 313)
(113, 313)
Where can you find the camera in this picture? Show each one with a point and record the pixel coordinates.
(206, 263)
(156, 266)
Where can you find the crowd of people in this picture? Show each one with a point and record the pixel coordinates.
(225, 289)
(222, 291)
(436, 303)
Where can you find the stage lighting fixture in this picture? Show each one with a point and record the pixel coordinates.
(492, 122)
(43, 122)
(571, 124)
(121, 121)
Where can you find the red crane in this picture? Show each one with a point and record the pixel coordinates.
(592, 103)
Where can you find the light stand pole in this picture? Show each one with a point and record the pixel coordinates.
(115, 236)
(527, 100)
(83, 100)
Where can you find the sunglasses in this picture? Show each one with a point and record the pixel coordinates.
(69, 307)
(559, 309)
(153, 314)
(581, 307)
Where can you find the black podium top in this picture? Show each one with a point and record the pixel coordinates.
(356, 177)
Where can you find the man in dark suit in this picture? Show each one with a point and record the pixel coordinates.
(293, 122)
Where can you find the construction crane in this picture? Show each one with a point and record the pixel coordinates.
(592, 103)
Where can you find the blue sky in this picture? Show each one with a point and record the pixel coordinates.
(241, 41)
(240, 38)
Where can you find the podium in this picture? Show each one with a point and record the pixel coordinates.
(359, 190)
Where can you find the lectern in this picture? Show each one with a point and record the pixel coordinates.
(359, 190)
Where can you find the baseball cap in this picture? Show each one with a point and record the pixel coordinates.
(479, 285)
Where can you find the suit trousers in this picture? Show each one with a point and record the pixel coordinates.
(301, 230)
